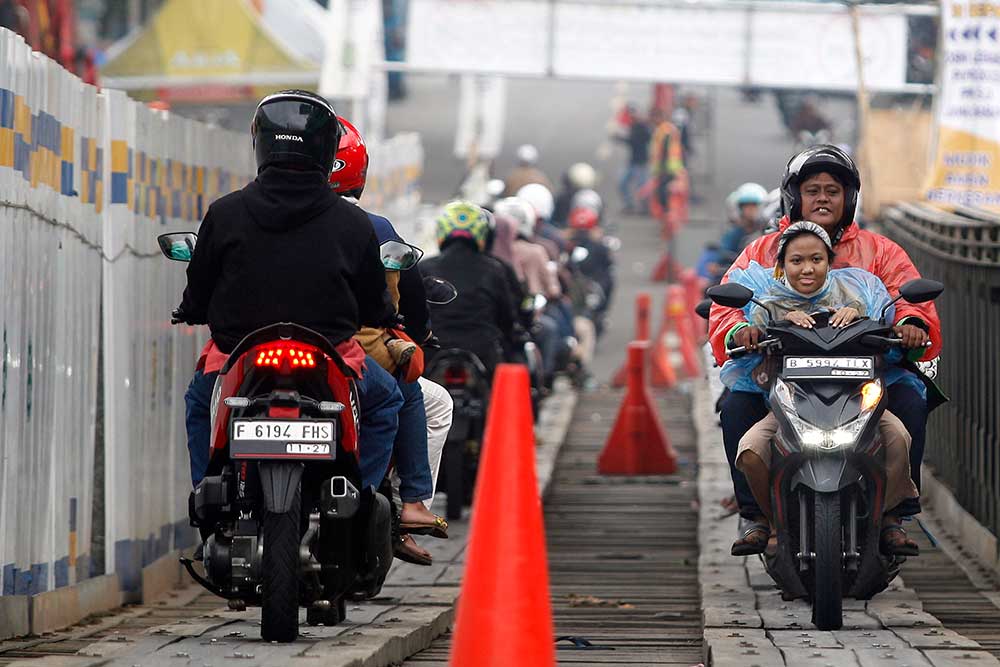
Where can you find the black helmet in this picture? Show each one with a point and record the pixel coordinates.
(814, 160)
(295, 127)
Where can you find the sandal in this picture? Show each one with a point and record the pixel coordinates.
(754, 538)
(894, 542)
(406, 549)
(438, 529)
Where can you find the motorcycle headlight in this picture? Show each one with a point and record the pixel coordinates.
(843, 436)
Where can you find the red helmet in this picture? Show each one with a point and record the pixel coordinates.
(582, 218)
(350, 168)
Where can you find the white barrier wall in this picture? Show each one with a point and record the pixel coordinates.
(88, 180)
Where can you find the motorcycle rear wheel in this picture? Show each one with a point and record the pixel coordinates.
(828, 565)
(280, 599)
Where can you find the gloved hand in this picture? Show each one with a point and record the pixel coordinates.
(178, 316)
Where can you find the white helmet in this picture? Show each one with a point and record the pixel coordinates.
(540, 198)
(588, 199)
(581, 176)
(518, 210)
(527, 155)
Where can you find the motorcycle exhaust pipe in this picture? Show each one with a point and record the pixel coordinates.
(339, 499)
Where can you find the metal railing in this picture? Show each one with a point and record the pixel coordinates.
(962, 249)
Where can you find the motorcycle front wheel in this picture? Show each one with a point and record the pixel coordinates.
(280, 599)
(828, 564)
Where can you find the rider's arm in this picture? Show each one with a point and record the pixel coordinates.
(202, 273)
(368, 284)
(413, 304)
(894, 268)
(723, 323)
(505, 308)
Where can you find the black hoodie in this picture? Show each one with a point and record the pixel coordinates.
(285, 248)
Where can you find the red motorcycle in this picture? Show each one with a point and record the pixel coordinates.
(288, 523)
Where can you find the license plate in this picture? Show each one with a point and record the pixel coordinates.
(283, 431)
(277, 439)
(830, 368)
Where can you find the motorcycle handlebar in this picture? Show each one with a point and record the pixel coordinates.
(737, 352)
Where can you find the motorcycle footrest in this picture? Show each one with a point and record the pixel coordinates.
(339, 499)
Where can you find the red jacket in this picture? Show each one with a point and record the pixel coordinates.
(857, 248)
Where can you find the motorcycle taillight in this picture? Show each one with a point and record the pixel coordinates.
(456, 375)
(286, 355)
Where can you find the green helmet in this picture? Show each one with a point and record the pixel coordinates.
(462, 220)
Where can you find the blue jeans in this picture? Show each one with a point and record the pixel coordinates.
(412, 464)
(633, 178)
(380, 400)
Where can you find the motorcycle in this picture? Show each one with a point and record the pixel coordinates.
(828, 479)
(285, 520)
(465, 378)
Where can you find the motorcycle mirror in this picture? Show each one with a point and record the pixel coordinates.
(178, 246)
(731, 295)
(703, 308)
(438, 291)
(921, 290)
(579, 254)
(612, 243)
(399, 256)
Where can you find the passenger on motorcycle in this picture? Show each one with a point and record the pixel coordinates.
(823, 185)
(579, 176)
(287, 248)
(481, 319)
(801, 286)
(545, 233)
(395, 350)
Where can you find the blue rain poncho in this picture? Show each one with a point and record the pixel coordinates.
(852, 287)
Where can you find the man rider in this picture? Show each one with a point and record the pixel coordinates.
(822, 184)
(481, 319)
(287, 248)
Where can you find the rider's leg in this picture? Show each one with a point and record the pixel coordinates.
(381, 401)
(547, 337)
(906, 403)
(740, 411)
(197, 418)
(754, 460)
(898, 485)
(438, 406)
(411, 446)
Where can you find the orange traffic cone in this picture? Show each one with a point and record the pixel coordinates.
(504, 615)
(642, 307)
(676, 311)
(638, 445)
(666, 268)
(694, 290)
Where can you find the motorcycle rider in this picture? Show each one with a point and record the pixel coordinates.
(396, 352)
(481, 319)
(526, 171)
(823, 184)
(743, 211)
(800, 286)
(579, 176)
(287, 248)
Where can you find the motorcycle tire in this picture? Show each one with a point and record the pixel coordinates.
(828, 565)
(279, 620)
(335, 615)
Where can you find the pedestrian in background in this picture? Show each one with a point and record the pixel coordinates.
(636, 137)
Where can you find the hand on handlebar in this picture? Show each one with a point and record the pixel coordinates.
(911, 337)
(748, 337)
(178, 316)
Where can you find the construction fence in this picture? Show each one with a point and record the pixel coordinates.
(90, 367)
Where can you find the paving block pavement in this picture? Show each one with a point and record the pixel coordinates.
(892, 630)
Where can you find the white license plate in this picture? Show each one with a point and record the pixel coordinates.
(846, 368)
(302, 433)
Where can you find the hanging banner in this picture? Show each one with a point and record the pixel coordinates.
(966, 164)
